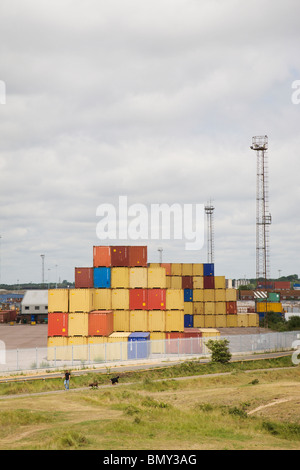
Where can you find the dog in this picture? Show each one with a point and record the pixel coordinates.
(94, 385)
(115, 380)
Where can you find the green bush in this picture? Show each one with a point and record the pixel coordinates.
(219, 350)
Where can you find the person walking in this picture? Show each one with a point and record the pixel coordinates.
(67, 380)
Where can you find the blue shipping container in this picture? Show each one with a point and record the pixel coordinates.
(188, 321)
(138, 345)
(102, 278)
(208, 269)
(188, 295)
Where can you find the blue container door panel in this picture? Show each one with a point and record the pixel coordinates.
(188, 321)
(188, 295)
(208, 269)
(102, 278)
(138, 346)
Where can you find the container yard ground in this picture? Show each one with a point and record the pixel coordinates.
(23, 336)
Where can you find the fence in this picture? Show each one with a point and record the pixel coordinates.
(17, 360)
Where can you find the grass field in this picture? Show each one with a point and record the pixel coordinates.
(165, 409)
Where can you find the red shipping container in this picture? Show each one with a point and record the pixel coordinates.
(57, 324)
(187, 282)
(138, 299)
(156, 299)
(282, 285)
(191, 343)
(100, 323)
(119, 256)
(137, 256)
(167, 266)
(102, 256)
(231, 307)
(208, 282)
(84, 278)
(173, 342)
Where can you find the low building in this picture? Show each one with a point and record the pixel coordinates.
(34, 306)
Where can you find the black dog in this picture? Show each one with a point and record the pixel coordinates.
(94, 385)
(115, 380)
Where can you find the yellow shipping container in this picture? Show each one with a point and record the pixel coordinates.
(176, 282)
(242, 320)
(102, 299)
(197, 269)
(120, 278)
(210, 321)
(187, 269)
(209, 332)
(117, 346)
(138, 278)
(78, 324)
(153, 265)
(97, 348)
(175, 299)
(188, 308)
(253, 319)
(198, 308)
(198, 295)
(199, 321)
(220, 308)
(138, 320)
(157, 278)
(198, 282)
(269, 307)
(81, 300)
(209, 295)
(156, 320)
(77, 348)
(221, 321)
(231, 321)
(176, 269)
(157, 344)
(220, 295)
(121, 320)
(174, 320)
(58, 300)
(220, 282)
(231, 295)
(209, 308)
(120, 299)
(56, 348)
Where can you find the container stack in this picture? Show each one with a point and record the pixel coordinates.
(123, 298)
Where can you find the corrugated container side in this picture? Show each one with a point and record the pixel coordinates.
(157, 278)
(78, 324)
(209, 295)
(209, 308)
(231, 307)
(156, 320)
(138, 278)
(157, 342)
(137, 256)
(198, 269)
(198, 295)
(120, 299)
(220, 295)
(173, 342)
(231, 321)
(174, 320)
(138, 299)
(102, 299)
(198, 308)
(176, 269)
(100, 323)
(221, 321)
(56, 348)
(101, 256)
(199, 321)
(167, 267)
(210, 321)
(231, 295)
(57, 324)
(208, 282)
(119, 256)
(198, 282)
(138, 320)
(58, 300)
(81, 300)
(220, 308)
(156, 299)
(176, 282)
(121, 320)
(84, 278)
(188, 308)
(120, 278)
(187, 282)
(174, 299)
(102, 278)
(220, 282)
(187, 269)
(77, 348)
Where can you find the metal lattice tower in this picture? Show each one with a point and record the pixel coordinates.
(209, 210)
(263, 217)
(43, 269)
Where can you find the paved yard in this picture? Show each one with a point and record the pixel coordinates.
(20, 336)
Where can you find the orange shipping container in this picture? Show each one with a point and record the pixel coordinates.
(57, 324)
(101, 323)
(102, 256)
(137, 256)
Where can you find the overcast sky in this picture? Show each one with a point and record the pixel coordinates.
(154, 100)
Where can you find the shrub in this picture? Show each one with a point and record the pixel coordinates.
(220, 351)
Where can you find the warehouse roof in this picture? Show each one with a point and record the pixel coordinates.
(35, 297)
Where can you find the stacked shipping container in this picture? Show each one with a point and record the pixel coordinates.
(124, 298)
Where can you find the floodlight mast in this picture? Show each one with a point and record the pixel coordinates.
(263, 216)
